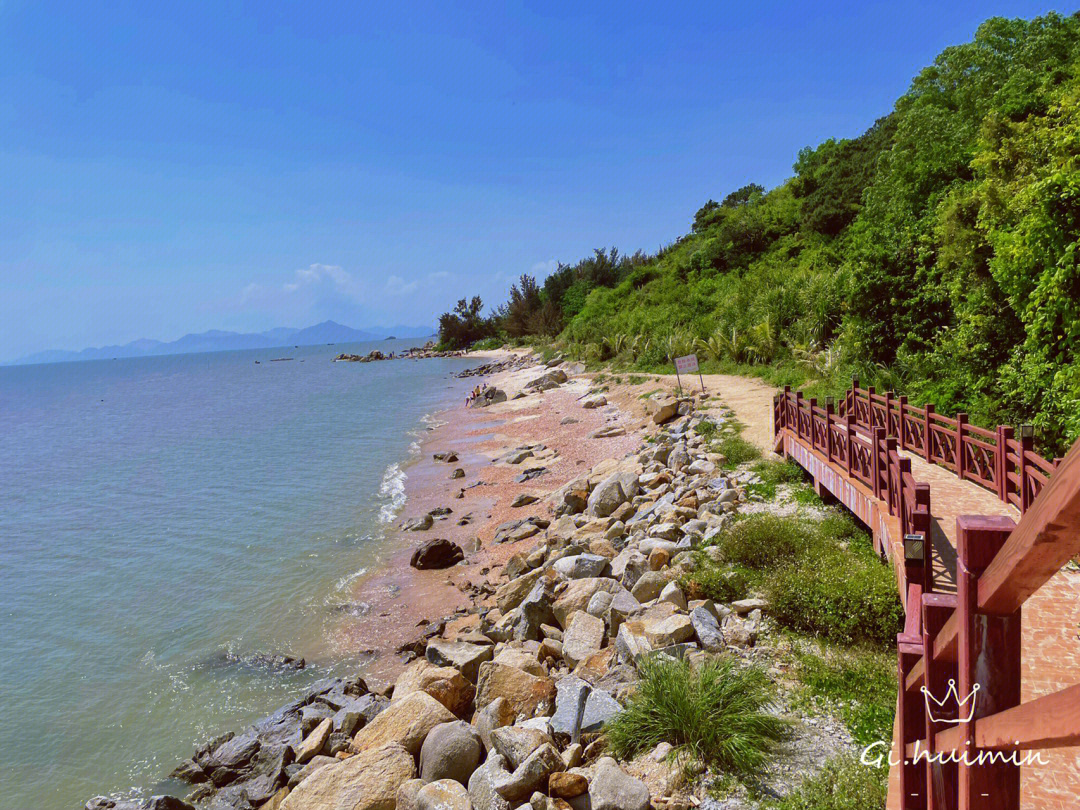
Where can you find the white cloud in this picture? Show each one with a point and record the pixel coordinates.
(396, 285)
(542, 270)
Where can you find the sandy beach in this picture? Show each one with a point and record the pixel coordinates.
(403, 600)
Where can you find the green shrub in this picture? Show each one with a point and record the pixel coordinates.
(840, 595)
(706, 429)
(820, 577)
(737, 450)
(860, 682)
(843, 784)
(711, 581)
(763, 541)
(717, 714)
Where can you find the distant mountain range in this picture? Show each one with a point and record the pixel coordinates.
(218, 341)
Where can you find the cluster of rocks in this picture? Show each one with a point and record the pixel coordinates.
(489, 396)
(371, 356)
(415, 353)
(512, 363)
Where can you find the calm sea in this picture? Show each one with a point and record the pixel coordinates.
(159, 516)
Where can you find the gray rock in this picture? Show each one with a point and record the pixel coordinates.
(611, 493)
(744, 606)
(461, 655)
(516, 743)
(420, 524)
(532, 774)
(482, 784)
(577, 566)
(535, 611)
(437, 553)
(450, 751)
(613, 789)
(649, 585)
(571, 693)
(707, 629)
(444, 794)
(582, 638)
(600, 707)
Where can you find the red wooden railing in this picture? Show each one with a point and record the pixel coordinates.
(993, 459)
(963, 728)
(867, 454)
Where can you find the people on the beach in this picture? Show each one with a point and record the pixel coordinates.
(476, 392)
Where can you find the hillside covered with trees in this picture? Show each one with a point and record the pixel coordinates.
(936, 254)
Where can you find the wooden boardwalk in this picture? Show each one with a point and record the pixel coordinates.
(1050, 619)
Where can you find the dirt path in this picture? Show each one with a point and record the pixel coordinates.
(749, 397)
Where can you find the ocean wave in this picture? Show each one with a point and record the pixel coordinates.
(345, 580)
(392, 490)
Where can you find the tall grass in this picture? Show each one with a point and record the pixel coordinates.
(843, 784)
(717, 713)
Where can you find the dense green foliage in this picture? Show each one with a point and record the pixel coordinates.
(936, 254)
(819, 577)
(717, 713)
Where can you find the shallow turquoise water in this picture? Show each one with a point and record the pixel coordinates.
(157, 512)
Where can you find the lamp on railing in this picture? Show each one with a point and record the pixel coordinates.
(1027, 431)
(913, 548)
(830, 402)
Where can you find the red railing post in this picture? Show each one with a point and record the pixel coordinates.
(849, 434)
(928, 435)
(911, 716)
(798, 413)
(892, 495)
(828, 430)
(961, 420)
(879, 441)
(988, 667)
(940, 773)
(888, 413)
(900, 425)
(1026, 444)
(1004, 438)
(813, 418)
(870, 408)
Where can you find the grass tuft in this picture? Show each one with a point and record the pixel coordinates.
(716, 713)
(737, 450)
(843, 784)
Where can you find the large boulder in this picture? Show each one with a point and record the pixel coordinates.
(614, 789)
(529, 695)
(577, 595)
(367, 781)
(509, 595)
(451, 751)
(489, 396)
(461, 655)
(532, 774)
(437, 553)
(583, 637)
(662, 408)
(405, 723)
(445, 794)
(580, 566)
(707, 628)
(445, 684)
(516, 743)
(611, 493)
(482, 784)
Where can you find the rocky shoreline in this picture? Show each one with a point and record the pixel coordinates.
(501, 704)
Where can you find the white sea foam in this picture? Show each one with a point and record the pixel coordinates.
(392, 491)
(345, 580)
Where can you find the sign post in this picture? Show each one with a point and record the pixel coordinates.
(688, 365)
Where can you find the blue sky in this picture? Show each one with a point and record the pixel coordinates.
(244, 166)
